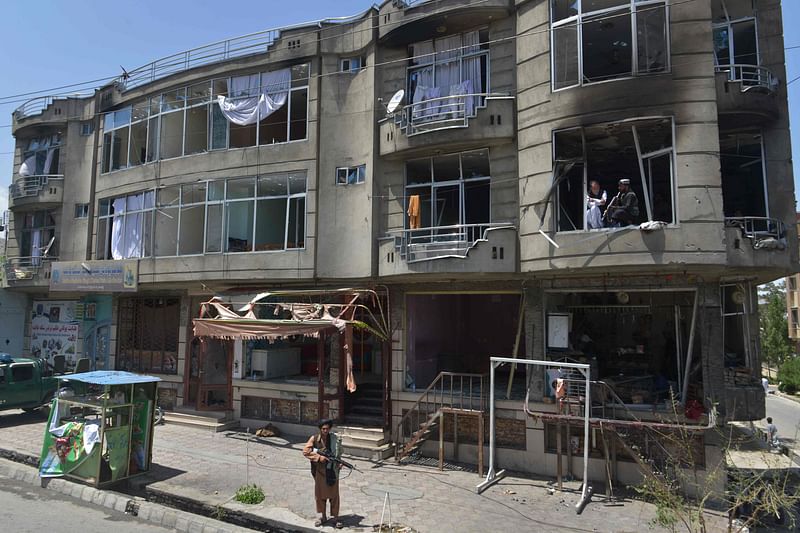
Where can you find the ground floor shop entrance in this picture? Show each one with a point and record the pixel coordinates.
(208, 375)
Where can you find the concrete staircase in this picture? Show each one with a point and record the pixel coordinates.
(367, 442)
(210, 420)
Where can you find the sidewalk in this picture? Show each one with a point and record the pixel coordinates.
(207, 468)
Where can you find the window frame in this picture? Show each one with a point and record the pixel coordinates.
(632, 7)
(643, 157)
(155, 112)
(81, 211)
(360, 172)
(461, 183)
(729, 24)
(103, 250)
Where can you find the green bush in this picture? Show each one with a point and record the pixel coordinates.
(251, 494)
(789, 376)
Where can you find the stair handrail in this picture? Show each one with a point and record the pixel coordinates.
(437, 387)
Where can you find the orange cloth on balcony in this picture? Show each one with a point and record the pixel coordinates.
(413, 212)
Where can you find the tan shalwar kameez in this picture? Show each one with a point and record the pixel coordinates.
(323, 491)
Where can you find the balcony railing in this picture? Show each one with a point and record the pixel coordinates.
(25, 268)
(751, 77)
(443, 113)
(441, 241)
(26, 186)
(758, 228)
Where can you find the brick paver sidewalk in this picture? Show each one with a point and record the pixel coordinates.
(209, 467)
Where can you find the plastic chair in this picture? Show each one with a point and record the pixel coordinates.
(59, 364)
(82, 365)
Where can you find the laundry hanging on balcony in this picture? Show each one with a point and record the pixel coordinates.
(248, 102)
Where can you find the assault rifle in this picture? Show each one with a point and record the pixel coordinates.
(330, 457)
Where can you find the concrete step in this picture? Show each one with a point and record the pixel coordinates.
(373, 453)
(367, 409)
(356, 419)
(198, 421)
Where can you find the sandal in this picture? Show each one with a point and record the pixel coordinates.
(320, 521)
(338, 525)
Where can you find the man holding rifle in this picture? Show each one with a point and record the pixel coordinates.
(324, 451)
(623, 210)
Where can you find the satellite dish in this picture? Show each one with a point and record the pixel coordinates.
(394, 103)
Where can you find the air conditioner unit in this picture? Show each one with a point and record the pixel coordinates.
(278, 363)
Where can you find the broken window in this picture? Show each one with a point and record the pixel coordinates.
(736, 309)
(449, 66)
(640, 151)
(448, 196)
(599, 40)
(351, 175)
(636, 342)
(188, 120)
(38, 229)
(41, 156)
(124, 230)
(744, 189)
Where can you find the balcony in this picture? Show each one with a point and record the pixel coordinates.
(758, 242)
(746, 95)
(43, 191)
(421, 125)
(404, 22)
(485, 248)
(28, 271)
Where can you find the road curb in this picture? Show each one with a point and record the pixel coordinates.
(160, 507)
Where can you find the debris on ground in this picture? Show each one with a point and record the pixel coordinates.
(398, 528)
(268, 431)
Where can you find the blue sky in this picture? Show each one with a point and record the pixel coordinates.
(52, 43)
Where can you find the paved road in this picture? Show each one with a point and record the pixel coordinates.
(786, 415)
(32, 509)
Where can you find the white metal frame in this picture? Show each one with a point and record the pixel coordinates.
(156, 119)
(632, 7)
(492, 476)
(642, 158)
(291, 199)
(433, 185)
(729, 24)
(745, 313)
(361, 175)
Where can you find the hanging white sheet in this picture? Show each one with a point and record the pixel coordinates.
(28, 167)
(48, 162)
(252, 106)
(118, 229)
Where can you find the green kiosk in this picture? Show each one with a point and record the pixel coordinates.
(100, 428)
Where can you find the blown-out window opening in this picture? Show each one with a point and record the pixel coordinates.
(589, 163)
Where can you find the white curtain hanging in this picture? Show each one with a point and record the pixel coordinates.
(254, 104)
(48, 162)
(472, 71)
(133, 226)
(36, 247)
(117, 229)
(28, 167)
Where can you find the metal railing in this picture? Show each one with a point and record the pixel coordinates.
(442, 240)
(25, 186)
(25, 268)
(451, 390)
(750, 76)
(758, 227)
(441, 113)
(245, 45)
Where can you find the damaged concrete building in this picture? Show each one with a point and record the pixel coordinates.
(424, 186)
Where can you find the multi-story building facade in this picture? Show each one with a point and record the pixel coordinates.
(282, 163)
